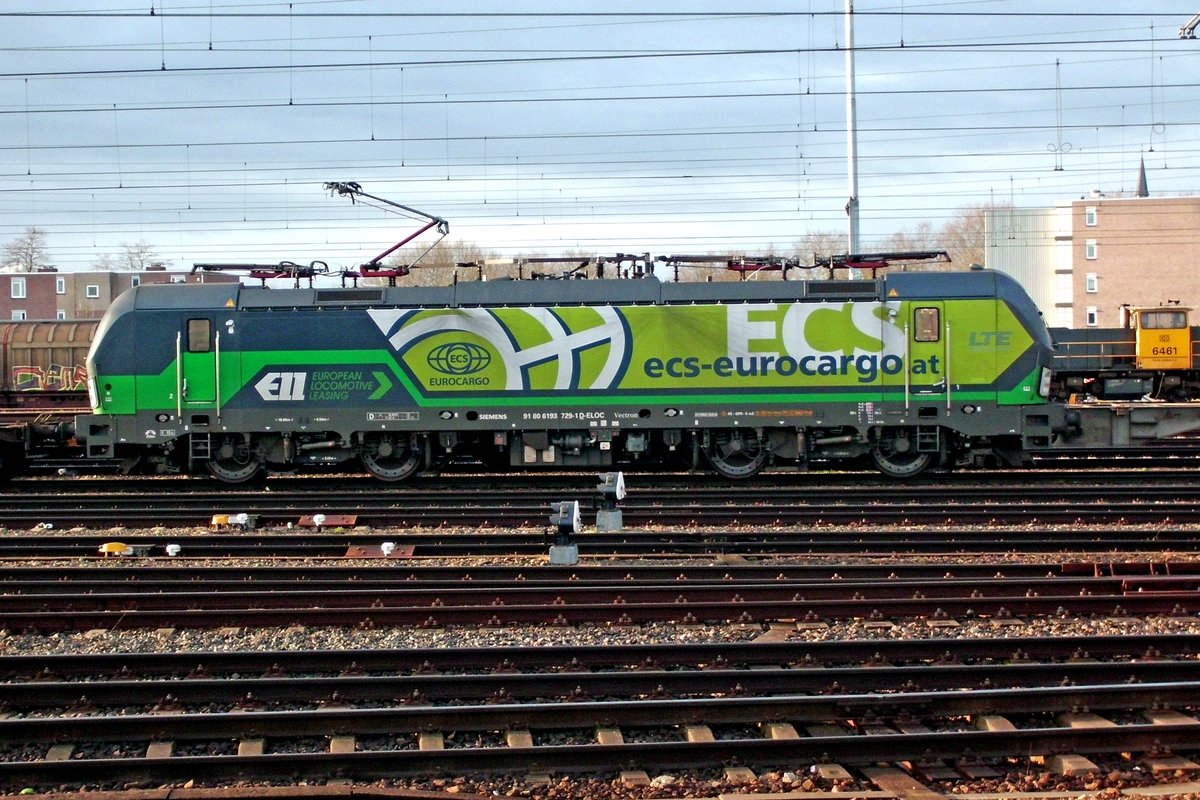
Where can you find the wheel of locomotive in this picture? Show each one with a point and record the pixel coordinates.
(233, 461)
(391, 457)
(895, 453)
(735, 453)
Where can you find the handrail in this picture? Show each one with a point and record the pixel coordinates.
(946, 357)
(907, 370)
(217, 372)
(179, 376)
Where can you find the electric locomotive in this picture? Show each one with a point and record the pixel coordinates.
(912, 370)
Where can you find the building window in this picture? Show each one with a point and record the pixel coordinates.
(1089, 249)
(1093, 317)
(92, 291)
(135, 281)
(179, 279)
(18, 290)
(60, 314)
(60, 285)
(1089, 216)
(18, 315)
(1091, 283)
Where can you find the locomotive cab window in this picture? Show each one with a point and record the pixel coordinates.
(927, 325)
(199, 335)
(1162, 320)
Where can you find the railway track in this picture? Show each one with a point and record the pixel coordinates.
(675, 544)
(519, 716)
(286, 680)
(575, 600)
(695, 715)
(1180, 453)
(1134, 497)
(611, 660)
(1080, 471)
(175, 575)
(389, 757)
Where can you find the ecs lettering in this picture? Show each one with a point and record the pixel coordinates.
(867, 367)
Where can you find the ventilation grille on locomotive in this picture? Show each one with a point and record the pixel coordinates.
(345, 296)
(842, 288)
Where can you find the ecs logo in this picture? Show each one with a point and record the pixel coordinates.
(282, 386)
(459, 358)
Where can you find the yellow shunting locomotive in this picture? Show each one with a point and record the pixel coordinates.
(1163, 338)
(1152, 355)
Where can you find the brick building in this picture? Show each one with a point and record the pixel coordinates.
(1082, 260)
(1139, 251)
(49, 294)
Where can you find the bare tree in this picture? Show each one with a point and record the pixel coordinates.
(921, 237)
(819, 244)
(963, 236)
(105, 262)
(28, 252)
(137, 255)
(814, 246)
(439, 266)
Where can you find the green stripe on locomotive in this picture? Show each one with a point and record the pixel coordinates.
(131, 393)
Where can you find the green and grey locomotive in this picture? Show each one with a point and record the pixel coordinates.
(912, 370)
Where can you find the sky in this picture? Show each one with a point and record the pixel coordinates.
(208, 129)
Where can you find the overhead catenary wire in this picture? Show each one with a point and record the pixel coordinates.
(533, 154)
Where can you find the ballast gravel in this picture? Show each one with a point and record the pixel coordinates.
(1108, 783)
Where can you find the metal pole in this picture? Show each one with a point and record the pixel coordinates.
(851, 138)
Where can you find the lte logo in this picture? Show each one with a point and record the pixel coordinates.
(989, 339)
(282, 386)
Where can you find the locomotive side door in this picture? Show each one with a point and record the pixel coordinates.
(927, 363)
(197, 346)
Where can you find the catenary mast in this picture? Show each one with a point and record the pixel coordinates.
(852, 244)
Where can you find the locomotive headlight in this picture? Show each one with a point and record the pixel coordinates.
(1044, 382)
(969, 409)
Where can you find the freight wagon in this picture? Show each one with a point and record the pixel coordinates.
(44, 363)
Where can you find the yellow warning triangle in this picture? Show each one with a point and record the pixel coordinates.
(229, 303)
(893, 293)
